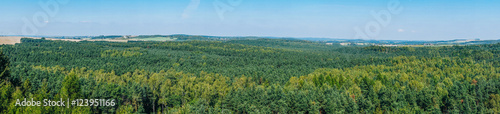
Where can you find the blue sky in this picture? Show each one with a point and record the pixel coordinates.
(419, 19)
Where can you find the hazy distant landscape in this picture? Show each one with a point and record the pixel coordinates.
(359, 42)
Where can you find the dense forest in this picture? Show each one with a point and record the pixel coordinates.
(250, 76)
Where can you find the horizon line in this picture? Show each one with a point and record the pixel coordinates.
(277, 37)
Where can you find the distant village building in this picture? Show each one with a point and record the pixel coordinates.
(329, 43)
(345, 44)
(389, 45)
(359, 44)
(127, 36)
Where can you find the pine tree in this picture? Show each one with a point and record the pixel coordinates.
(4, 68)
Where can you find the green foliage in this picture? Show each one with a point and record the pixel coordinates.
(70, 87)
(251, 76)
(4, 68)
(117, 53)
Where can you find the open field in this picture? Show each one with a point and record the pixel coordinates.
(16, 39)
(78, 40)
(157, 39)
(72, 40)
(109, 40)
(10, 40)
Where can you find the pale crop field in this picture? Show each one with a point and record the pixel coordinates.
(11, 40)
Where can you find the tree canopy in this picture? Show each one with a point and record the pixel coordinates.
(250, 76)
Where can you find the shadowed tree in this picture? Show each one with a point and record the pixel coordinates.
(4, 68)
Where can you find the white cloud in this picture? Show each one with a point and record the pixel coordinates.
(401, 30)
